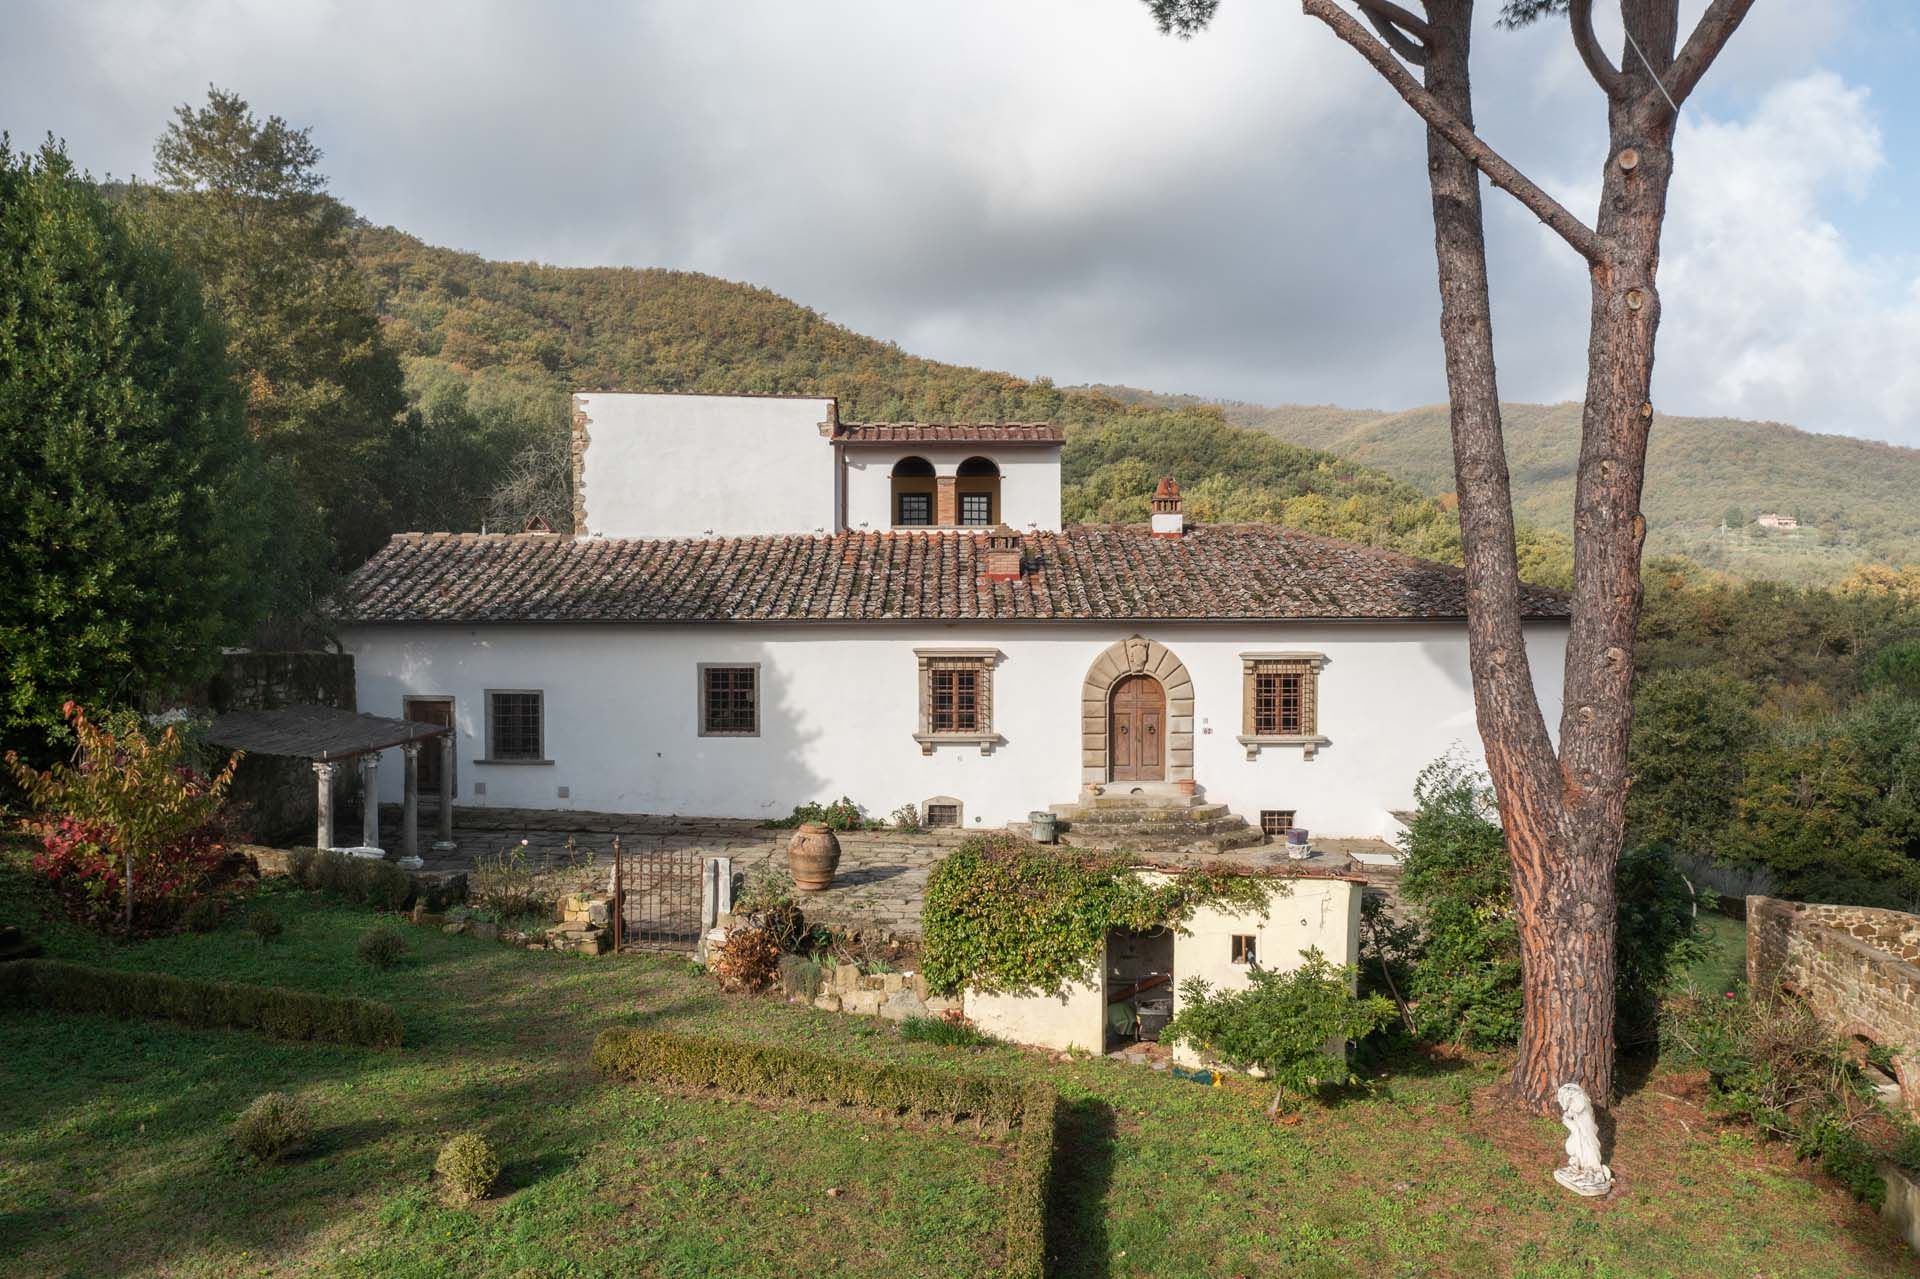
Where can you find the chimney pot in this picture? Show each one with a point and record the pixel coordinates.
(1001, 560)
(1168, 519)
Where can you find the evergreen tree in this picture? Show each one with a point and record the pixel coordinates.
(242, 202)
(128, 490)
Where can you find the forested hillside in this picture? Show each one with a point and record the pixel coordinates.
(492, 349)
(1854, 498)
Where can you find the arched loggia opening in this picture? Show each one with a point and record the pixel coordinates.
(977, 492)
(913, 493)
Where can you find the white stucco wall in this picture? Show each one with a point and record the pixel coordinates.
(1075, 1017)
(1029, 482)
(692, 465)
(1315, 913)
(839, 707)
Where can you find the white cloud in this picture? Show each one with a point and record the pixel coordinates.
(1768, 310)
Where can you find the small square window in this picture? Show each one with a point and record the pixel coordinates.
(729, 701)
(1243, 949)
(915, 509)
(514, 725)
(976, 508)
(1276, 821)
(942, 815)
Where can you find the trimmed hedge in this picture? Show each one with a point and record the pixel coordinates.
(365, 881)
(273, 1010)
(769, 1070)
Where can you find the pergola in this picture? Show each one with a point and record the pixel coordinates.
(328, 738)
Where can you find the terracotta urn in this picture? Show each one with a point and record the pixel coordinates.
(813, 854)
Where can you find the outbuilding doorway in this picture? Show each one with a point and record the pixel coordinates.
(1136, 730)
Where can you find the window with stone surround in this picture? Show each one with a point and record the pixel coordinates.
(940, 811)
(729, 700)
(516, 728)
(1280, 701)
(956, 697)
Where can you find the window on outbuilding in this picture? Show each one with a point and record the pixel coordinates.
(516, 725)
(1244, 951)
(913, 490)
(729, 700)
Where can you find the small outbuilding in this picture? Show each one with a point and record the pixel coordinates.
(1138, 988)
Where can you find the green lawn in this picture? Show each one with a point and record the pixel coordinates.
(1725, 963)
(114, 1160)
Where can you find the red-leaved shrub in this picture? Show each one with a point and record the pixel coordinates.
(127, 805)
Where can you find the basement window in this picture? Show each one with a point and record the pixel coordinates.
(1276, 821)
(941, 812)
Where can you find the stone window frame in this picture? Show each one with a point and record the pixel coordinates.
(982, 661)
(700, 698)
(1308, 665)
(540, 755)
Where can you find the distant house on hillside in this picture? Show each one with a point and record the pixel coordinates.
(761, 605)
(1773, 519)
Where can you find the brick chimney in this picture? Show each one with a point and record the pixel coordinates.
(1168, 521)
(1001, 560)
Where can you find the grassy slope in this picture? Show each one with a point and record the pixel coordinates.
(1857, 494)
(112, 1158)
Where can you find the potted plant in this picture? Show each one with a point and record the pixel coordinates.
(813, 854)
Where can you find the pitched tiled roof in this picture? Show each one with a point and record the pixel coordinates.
(1113, 572)
(948, 433)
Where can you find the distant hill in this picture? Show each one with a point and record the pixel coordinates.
(1855, 499)
(511, 339)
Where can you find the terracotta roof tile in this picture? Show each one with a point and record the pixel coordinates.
(948, 433)
(1094, 572)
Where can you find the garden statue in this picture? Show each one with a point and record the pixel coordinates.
(1584, 1173)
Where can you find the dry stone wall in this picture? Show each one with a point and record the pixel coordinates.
(1857, 968)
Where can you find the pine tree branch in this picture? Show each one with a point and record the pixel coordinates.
(1407, 35)
(1611, 82)
(1449, 126)
(1715, 28)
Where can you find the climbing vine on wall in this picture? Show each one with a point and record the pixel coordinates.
(1003, 914)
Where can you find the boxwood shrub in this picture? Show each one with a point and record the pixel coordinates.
(273, 1010)
(775, 1071)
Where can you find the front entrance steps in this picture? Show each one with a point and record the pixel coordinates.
(1153, 817)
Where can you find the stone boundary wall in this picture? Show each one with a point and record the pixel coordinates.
(1857, 968)
(250, 681)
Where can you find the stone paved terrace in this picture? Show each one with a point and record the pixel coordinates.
(879, 887)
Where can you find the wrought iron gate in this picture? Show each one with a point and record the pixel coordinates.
(662, 896)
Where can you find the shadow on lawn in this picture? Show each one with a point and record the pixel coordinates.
(1083, 1170)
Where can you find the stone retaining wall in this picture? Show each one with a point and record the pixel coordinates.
(1857, 968)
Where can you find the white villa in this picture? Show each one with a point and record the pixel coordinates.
(763, 605)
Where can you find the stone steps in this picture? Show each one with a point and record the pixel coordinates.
(1154, 821)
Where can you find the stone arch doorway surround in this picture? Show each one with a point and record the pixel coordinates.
(1136, 655)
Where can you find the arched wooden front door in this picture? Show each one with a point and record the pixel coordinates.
(1136, 730)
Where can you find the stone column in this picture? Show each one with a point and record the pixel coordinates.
(443, 835)
(323, 803)
(370, 800)
(410, 808)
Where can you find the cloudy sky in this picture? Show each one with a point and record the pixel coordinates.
(1054, 188)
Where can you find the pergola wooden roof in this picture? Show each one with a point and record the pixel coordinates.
(319, 733)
